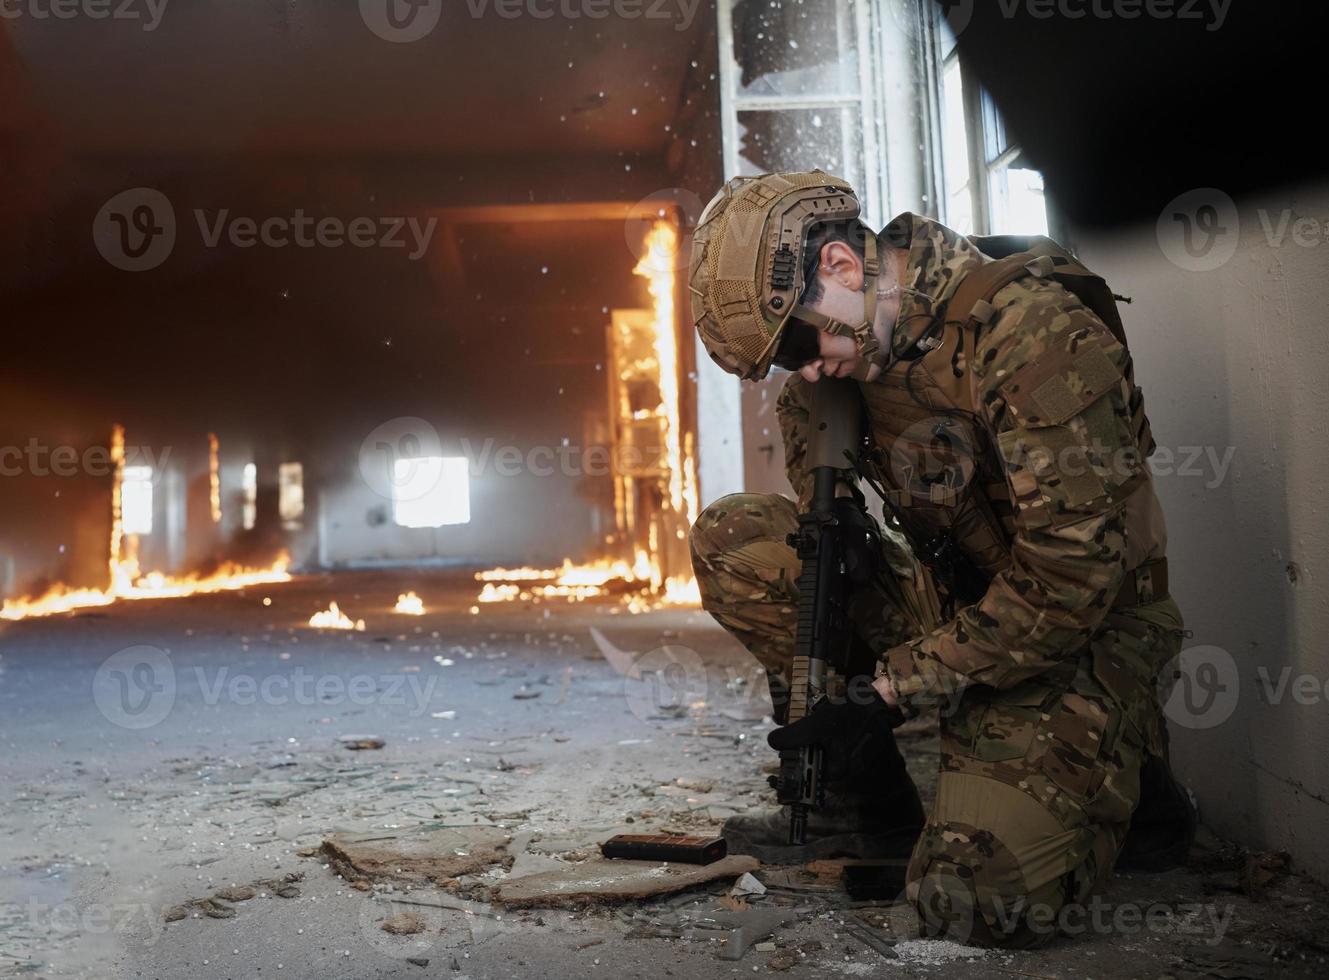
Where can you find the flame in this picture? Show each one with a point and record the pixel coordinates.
(333, 618)
(214, 477)
(409, 604)
(127, 582)
(657, 266)
(641, 584)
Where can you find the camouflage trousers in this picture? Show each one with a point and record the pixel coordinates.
(1037, 782)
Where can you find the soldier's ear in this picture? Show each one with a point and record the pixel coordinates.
(842, 263)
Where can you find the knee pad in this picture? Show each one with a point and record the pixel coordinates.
(959, 900)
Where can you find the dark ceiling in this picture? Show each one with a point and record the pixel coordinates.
(297, 76)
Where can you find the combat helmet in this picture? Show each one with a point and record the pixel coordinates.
(746, 275)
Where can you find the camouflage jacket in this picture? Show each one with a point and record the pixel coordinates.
(1024, 440)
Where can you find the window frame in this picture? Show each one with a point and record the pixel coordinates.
(872, 180)
(984, 128)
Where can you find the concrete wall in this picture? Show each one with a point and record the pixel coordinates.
(1234, 360)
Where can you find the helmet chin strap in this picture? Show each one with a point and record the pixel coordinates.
(865, 341)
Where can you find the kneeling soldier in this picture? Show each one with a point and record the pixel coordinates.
(1024, 584)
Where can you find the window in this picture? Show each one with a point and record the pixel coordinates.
(249, 496)
(291, 495)
(987, 186)
(136, 500)
(795, 91)
(431, 491)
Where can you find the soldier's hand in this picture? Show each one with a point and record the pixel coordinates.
(840, 727)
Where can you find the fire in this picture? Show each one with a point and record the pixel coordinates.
(639, 583)
(127, 582)
(658, 265)
(642, 583)
(214, 477)
(409, 604)
(333, 618)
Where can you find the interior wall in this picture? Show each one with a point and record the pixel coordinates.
(1232, 361)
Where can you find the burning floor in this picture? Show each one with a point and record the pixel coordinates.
(244, 794)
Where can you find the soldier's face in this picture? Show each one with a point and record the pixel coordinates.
(838, 357)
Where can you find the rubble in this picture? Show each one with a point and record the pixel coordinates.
(437, 856)
(404, 924)
(598, 880)
(358, 743)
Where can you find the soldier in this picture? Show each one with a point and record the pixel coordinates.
(1024, 589)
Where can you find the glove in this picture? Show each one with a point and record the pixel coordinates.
(843, 729)
(861, 537)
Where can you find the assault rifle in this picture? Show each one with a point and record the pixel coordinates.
(831, 545)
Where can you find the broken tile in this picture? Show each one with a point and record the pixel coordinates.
(435, 855)
(599, 880)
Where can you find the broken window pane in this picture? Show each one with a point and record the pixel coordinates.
(800, 139)
(788, 48)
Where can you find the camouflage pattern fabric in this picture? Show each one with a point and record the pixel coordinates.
(1038, 781)
(1047, 687)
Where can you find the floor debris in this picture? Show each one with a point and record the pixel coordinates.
(358, 743)
(599, 881)
(437, 856)
(404, 924)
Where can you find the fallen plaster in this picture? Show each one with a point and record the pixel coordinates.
(437, 856)
(600, 880)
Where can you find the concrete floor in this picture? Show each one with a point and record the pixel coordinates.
(117, 807)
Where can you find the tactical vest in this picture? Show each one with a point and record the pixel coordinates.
(931, 450)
